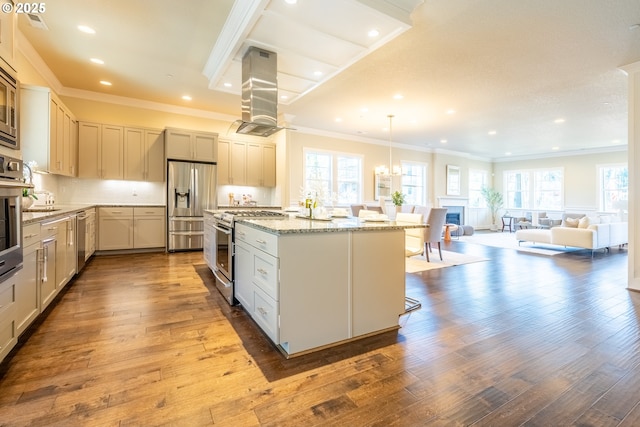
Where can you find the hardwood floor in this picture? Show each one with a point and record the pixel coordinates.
(522, 339)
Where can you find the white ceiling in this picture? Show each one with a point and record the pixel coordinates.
(512, 67)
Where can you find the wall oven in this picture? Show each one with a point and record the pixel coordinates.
(10, 216)
(8, 109)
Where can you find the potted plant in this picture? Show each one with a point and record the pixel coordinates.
(494, 201)
(27, 198)
(398, 199)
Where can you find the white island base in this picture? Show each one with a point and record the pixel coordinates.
(310, 290)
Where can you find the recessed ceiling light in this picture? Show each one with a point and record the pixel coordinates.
(227, 84)
(508, 153)
(105, 83)
(284, 97)
(558, 121)
(317, 73)
(373, 33)
(443, 141)
(97, 61)
(338, 119)
(86, 29)
(615, 141)
(186, 97)
(398, 96)
(364, 110)
(492, 132)
(291, 1)
(451, 111)
(555, 148)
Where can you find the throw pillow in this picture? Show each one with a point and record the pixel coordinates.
(584, 222)
(571, 222)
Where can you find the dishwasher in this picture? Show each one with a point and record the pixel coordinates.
(81, 240)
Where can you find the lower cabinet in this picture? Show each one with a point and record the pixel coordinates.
(50, 250)
(8, 327)
(131, 228)
(316, 289)
(28, 285)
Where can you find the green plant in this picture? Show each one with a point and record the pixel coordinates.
(26, 192)
(494, 201)
(397, 198)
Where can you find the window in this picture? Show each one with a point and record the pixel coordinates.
(414, 183)
(335, 177)
(535, 189)
(613, 186)
(477, 180)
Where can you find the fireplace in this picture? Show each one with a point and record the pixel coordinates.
(455, 215)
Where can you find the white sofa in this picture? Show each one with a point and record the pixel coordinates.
(589, 236)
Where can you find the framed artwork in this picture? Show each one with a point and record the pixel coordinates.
(382, 186)
(453, 180)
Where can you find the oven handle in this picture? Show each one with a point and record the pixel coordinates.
(224, 281)
(223, 230)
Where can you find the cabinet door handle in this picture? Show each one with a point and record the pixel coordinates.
(263, 272)
(262, 242)
(262, 311)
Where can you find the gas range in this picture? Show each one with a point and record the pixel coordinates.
(228, 217)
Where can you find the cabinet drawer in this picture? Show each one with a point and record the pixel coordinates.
(151, 211)
(7, 296)
(258, 239)
(265, 273)
(50, 229)
(265, 313)
(30, 234)
(115, 212)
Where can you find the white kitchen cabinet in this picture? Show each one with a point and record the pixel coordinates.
(149, 227)
(90, 233)
(8, 25)
(115, 228)
(48, 131)
(8, 330)
(311, 290)
(143, 154)
(48, 289)
(71, 249)
(182, 144)
(27, 279)
(100, 151)
(243, 163)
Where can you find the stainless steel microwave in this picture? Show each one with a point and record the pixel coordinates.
(8, 109)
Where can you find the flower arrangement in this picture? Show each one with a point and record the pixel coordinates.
(26, 192)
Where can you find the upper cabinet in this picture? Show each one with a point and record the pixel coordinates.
(8, 22)
(48, 131)
(246, 163)
(101, 151)
(143, 154)
(184, 144)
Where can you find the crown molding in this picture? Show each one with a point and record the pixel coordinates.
(572, 153)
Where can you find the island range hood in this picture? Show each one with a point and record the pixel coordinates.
(259, 93)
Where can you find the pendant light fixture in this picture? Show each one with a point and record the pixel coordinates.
(391, 170)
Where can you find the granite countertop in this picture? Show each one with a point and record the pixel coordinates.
(63, 210)
(301, 225)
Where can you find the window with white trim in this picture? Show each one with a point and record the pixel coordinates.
(534, 189)
(477, 180)
(414, 183)
(613, 183)
(333, 177)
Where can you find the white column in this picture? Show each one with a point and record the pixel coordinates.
(633, 71)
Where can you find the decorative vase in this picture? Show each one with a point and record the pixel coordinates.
(26, 203)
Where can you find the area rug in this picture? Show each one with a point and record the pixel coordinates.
(419, 263)
(508, 241)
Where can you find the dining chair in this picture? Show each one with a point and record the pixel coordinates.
(414, 237)
(355, 209)
(433, 233)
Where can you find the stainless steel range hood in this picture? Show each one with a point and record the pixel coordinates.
(259, 93)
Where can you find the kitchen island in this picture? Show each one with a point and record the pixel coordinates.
(311, 284)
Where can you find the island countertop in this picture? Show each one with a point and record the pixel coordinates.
(297, 225)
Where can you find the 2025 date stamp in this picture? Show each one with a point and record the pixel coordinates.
(10, 7)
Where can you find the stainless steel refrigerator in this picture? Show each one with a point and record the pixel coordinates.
(191, 188)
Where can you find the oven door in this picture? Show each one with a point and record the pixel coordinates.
(10, 231)
(223, 265)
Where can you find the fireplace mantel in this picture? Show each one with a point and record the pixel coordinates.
(452, 201)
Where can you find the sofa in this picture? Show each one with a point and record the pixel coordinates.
(581, 231)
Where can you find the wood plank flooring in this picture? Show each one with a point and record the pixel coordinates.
(522, 339)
